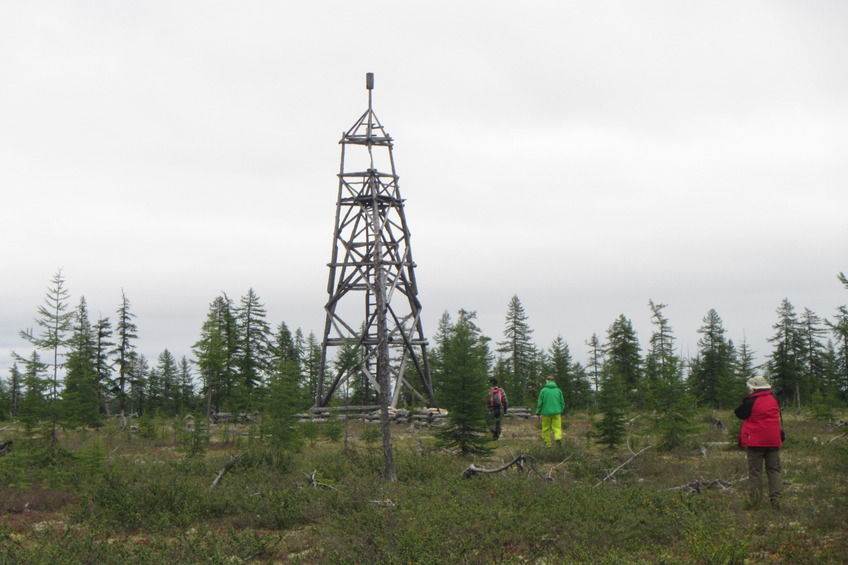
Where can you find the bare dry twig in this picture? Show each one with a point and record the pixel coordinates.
(617, 469)
(520, 461)
(225, 469)
(314, 483)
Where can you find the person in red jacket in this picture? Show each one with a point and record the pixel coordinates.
(762, 435)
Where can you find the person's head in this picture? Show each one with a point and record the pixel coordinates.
(758, 382)
(549, 378)
(493, 382)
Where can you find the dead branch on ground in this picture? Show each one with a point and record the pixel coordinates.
(617, 469)
(699, 486)
(226, 468)
(314, 483)
(520, 462)
(720, 425)
(550, 475)
(836, 438)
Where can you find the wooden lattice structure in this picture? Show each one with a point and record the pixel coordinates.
(373, 312)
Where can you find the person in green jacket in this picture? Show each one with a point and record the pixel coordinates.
(549, 409)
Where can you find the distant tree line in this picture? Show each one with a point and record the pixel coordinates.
(80, 371)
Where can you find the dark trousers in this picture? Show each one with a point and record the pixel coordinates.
(758, 457)
(495, 419)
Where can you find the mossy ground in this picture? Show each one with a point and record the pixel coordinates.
(109, 499)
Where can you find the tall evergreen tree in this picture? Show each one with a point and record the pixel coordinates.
(349, 361)
(812, 350)
(80, 398)
(285, 398)
(665, 387)
(103, 362)
(463, 372)
(831, 380)
(35, 404)
(597, 351)
(443, 332)
(624, 360)
(311, 365)
(124, 352)
(214, 357)
(711, 376)
(55, 321)
(139, 390)
(569, 375)
(184, 400)
(5, 399)
(163, 398)
(518, 352)
(16, 390)
(254, 339)
(611, 429)
(839, 330)
(744, 367)
(785, 362)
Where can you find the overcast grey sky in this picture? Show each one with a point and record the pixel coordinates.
(585, 156)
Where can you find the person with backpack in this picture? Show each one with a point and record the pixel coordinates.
(549, 409)
(496, 408)
(762, 436)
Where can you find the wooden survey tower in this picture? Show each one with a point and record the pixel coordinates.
(373, 339)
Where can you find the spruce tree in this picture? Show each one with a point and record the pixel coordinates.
(284, 399)
(711, 375)
(521, 376)
(569, 375)
(443, 330)
(348, 361)
(103, 363)
(16, 390)
(35, 404)
(253, 356)
(139, 389)
(611, 429)
(839, 329)
(80, 398)
(184, 399)
(124, 351)
(463, 373)
(163, 398)
(666, 390)
(785, 361)
(744, 367)
(812, 353)
(595, 366)
(55, 321)
(311, 365)
(624, 360)
(213, 354)
(5, 399)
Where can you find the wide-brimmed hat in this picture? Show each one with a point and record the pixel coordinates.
(757, 382)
